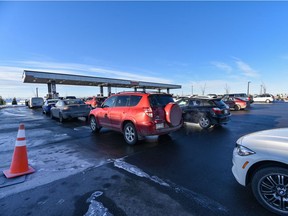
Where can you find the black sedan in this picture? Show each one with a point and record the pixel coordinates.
(204, 111)
(69, 109)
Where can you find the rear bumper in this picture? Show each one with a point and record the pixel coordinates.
(221, 120)
(149, 129)
(67, 115)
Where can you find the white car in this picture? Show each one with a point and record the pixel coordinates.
(260, 160)
(35, 102)
(266, 98)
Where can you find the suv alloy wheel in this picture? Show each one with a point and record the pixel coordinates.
(130, 134)
(204, 122)
(93, 124)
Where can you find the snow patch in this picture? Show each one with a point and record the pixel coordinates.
(96, 208)
(137, 171)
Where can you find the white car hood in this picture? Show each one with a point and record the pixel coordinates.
(275, 140)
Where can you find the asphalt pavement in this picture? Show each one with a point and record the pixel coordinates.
(79, 173)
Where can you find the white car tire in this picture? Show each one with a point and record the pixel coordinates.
(270, 187)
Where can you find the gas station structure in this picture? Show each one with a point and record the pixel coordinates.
(51, 79)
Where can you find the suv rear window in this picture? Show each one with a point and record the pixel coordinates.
(73, 101)
(219, 103)
(160, 100)
(134, 100)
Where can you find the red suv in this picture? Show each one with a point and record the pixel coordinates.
(137, 114)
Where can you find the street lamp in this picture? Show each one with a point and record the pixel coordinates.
(192, 90)
(248, 88)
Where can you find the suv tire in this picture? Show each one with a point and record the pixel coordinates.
(51, 115)
(130, 134)
(173, 114)
(61, 119)
(94, 125)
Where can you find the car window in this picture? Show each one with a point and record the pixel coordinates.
(109, 102)
(208, 103)
(38, 100)
(73, 101)
(220, 103)
(123, 100)
(134, 100)
(51, 101)
(194, 103)
(59, 103)
(182, 102)
(160, 100)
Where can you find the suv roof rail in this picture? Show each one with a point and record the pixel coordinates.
(130, 92)
(156, 92)
(202, 97)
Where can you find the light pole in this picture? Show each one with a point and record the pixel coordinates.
(192, 90)
(248, 88)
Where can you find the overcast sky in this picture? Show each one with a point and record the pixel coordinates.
(207, 45)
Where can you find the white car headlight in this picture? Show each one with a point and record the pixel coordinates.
(243, 151)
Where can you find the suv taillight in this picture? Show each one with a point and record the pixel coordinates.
(148, 111)
(217, 111)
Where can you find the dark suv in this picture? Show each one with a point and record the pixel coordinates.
(205, 111)
(137, 114)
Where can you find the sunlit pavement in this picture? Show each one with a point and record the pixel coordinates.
(186, 173)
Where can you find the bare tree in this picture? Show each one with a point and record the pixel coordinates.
(227, 89)
(264, 88)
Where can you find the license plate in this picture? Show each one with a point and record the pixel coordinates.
(160, 125)
(225, 111)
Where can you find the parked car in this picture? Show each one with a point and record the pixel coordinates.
(204, 111)
(35, 102)
(235, 103)
(242, 96)
(69, 109)
(260, 160)
(70, 97)
(212, 95)
(137, 114)
(48, 104)
(95, 101)
(266, 98)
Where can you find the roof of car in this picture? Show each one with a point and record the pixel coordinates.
(204, 98)
(141, 92)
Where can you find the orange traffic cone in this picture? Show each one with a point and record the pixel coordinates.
(19, 165)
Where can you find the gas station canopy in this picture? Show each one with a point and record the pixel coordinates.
(69, 79)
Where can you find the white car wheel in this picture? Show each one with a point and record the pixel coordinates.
(270, 187)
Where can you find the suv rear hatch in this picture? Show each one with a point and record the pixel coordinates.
(164, 110)
(220, 107)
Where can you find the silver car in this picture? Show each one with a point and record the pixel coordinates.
(69, 108)
(260, 160)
